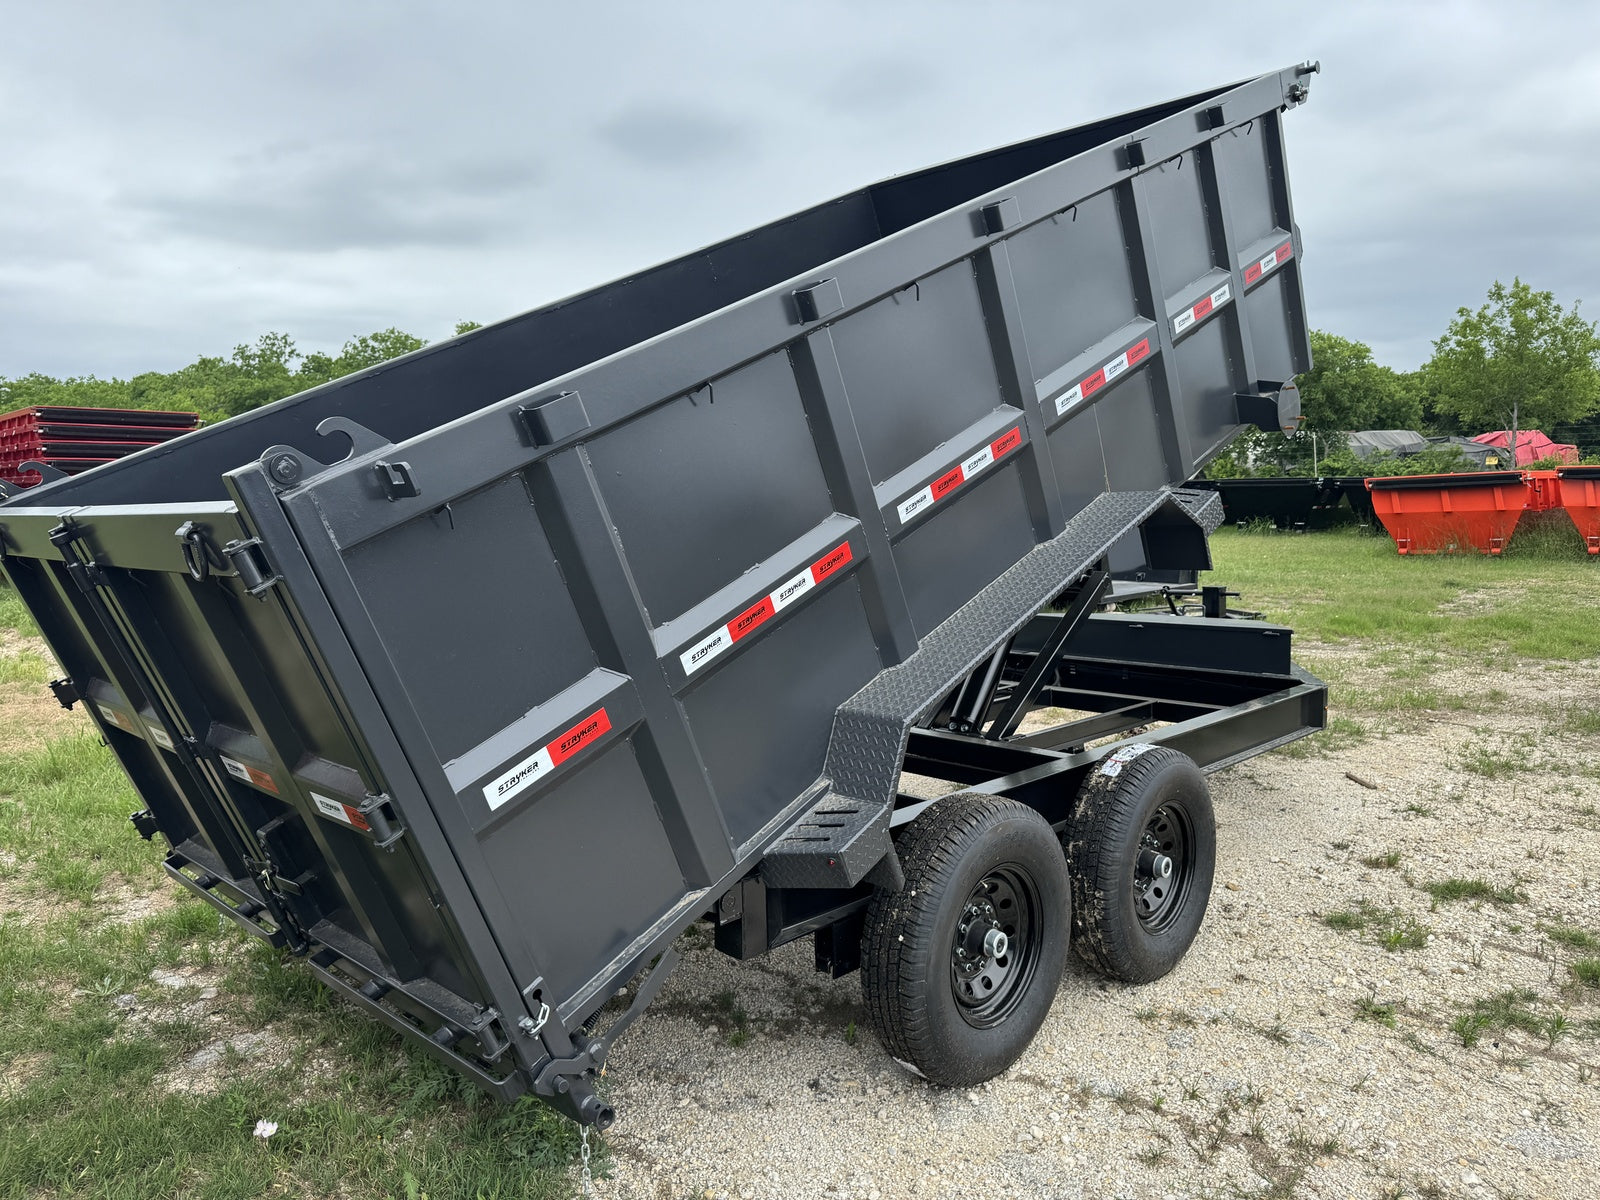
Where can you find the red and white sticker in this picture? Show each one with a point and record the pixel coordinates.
(116, 718)
(546, 758)
(1202, 310)
(248, 774)
(764, 609)
(964, 470)
(1257, 269)
(1129, 358)
(346, 813)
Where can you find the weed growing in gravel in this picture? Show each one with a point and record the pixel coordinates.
(1457, 888)
(1387, 860)
(728, 1008)
(1510, 1009)
(1368, 1009)
(1417, 810)
(1571, 936)
(1491, 762)
(1587, 972)
(1388, 927)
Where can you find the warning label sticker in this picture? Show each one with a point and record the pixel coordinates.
(160, 738)
(974, 464)
(546, 759)
(1202, 309)
(1129, 358)
(344, 813)
(116, 718)
(1259, 268)
(248, 774)
(769, 606)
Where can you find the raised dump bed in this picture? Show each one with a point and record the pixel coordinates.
(477, 677)
(1433, 514)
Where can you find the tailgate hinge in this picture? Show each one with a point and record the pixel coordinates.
(66, 692)
(378, 810)
(251, 563)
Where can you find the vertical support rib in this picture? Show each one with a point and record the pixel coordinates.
(1283, 213)
(568, 500)
(844, 466)
(1224, 251)
(998, 294)
(1133, 204)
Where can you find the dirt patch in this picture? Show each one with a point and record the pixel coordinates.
(18, 1073)
(30, 716)
(127, 904)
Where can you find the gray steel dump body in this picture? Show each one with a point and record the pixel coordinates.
(481, 674)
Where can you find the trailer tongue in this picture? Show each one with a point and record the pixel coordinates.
(477, 677)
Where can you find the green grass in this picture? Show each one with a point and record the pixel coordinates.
(1368, 1009)
(1387, 927)
(1572, 937)
(1385, 860)
(1345, 585)
(1510, 1009)
(1473, 889)
(64, 810)
(1587, 972)
(13, 614)
(86, 1109)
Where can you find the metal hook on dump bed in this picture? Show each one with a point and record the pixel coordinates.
(288, 466)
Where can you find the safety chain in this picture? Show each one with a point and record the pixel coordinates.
(583, 1153)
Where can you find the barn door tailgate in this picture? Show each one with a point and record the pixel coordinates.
(185, 650)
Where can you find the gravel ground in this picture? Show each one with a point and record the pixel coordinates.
(1248, 1071)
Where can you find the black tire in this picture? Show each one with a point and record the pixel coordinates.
(975, 865)
(1129, 922)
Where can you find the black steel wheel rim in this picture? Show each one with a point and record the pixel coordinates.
(1159, 891)
(988, 986)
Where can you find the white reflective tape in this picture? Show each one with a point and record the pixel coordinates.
(331, 808)
(1183, 320)
(1220, 296)
(912, 505)
(1116, 366)
(159, 736)
(1067, 399)
(786, 594)
(536, 766)
(978, 461)
(1267, 263)
(705, 650)
(235, 768)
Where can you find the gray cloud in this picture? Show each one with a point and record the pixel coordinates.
(674, 136)
(176, 180)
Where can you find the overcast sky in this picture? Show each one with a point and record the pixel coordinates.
(178, 178)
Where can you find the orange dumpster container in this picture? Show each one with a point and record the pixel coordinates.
(1430, 514)
(1579, 489)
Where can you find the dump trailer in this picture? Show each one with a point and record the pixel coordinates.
(477, 677)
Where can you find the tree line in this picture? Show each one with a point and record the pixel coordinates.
(255, 374)
(1519, 361)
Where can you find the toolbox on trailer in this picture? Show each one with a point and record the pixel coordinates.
(478, 676)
